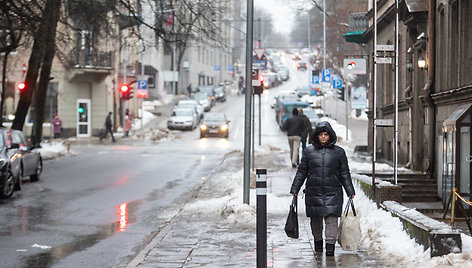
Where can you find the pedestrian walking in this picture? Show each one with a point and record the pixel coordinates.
(308, 129)
(189, 90)
(108, 128)
(57, 126)
(325, 168)
(241, 85)
(294, 125)
(127, 122)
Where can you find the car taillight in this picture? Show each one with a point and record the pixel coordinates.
(283, 112)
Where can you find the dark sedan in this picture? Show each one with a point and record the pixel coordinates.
(31, 161)
(214, 124)
(10, 165)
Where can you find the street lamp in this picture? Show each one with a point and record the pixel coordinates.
(421, 62)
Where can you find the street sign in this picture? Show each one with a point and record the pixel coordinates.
(382, 60)
(255, 78)
(315, 79)
(326, 75)
(384, 122)
(142, 91)
(217, 68)
(261, 63)
(385, 47)
(355, 66)
(259, 52)
(337, 83)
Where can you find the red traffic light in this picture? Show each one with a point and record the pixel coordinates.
(21, 85)
(124, 89)
(261, 78)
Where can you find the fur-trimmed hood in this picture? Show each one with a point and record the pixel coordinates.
(322, 127)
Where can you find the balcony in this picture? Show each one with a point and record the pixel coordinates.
(88, 65)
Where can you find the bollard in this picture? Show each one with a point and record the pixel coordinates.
(261, 217)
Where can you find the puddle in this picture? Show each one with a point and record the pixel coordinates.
(126, 214)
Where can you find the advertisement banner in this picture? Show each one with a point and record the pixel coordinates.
(358, 97)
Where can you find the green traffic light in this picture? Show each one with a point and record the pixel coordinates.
(81, 110)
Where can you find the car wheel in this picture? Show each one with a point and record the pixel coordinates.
(36, 176)
(9, 186)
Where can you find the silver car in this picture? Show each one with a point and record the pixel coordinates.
(192, 104)
(183, 118)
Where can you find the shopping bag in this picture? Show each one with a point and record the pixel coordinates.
(349, 235)
(291, 225)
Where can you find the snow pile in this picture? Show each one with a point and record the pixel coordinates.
(364, 167)
(54, 150)
(338, 128)
(154, 134)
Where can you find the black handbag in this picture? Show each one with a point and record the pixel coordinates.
(291, 225)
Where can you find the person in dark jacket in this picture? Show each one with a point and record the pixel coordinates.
(325, 168)
(108, 129)
(308, 129)
(294, 126)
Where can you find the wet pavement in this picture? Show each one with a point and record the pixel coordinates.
(209, 239)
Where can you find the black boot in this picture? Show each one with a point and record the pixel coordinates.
(319, 246)
(329, 249)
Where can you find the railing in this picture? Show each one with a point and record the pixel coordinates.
(453, 199)
(84, 58)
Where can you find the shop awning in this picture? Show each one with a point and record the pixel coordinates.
(354, 37)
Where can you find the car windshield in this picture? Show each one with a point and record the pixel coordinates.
(182, 113)
(200, 96)
(214, 117)
(311, 114)
(207, 89)
(219, 89)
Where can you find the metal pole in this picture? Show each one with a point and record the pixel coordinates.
(324, 34)
(347, 110)
(247, 105)
(260, 32)
(253, 125)
(395, 144)
(125, 63)
(374, 95)
(261, 217)
(174, 63)
(142, 74)
(260, 120)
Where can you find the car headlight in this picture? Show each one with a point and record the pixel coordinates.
(224, 127)
(203, 127)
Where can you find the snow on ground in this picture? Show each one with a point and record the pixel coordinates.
(54, 150)
(381, 233)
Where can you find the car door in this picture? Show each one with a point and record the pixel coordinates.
(27, 156)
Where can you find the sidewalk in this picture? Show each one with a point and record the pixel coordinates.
(201, 235)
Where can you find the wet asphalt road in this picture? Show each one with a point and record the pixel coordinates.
(101, 206)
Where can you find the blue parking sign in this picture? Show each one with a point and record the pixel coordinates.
(337, 83)
(315, 79)
(142, 84)
(326, 75)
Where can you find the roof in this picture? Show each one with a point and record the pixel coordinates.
(355, 37)
(458, 115)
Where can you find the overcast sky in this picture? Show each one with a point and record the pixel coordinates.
(283, 11)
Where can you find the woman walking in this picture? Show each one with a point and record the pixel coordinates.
(325, 168)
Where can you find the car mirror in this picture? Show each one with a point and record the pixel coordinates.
(14, 146)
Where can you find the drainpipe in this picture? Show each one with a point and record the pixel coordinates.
(428, 88)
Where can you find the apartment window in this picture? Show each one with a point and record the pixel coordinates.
(454, 51)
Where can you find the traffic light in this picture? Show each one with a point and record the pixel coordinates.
(21, 86)
(340, 93)
(126, 92)
(259, 89)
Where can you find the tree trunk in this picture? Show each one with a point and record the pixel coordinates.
(4, 78)
(34, 63)
(41, 92)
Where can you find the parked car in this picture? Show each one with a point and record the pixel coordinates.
(203, 99)
(10, 165)
(210, 91)
(312, 115)
(286, 108)
(192, 104)
(302, 66)
(183, 118)
(214, 124)
(31, 161)
(220, 93)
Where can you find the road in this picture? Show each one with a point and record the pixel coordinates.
(101, 206)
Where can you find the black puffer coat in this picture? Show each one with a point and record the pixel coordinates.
(327, 171)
